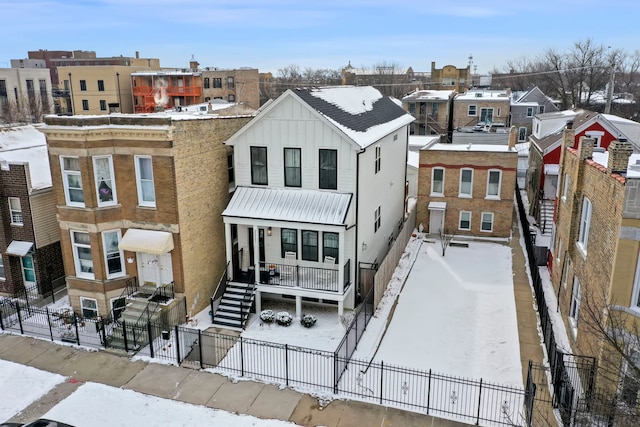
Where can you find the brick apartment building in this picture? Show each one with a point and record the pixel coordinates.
(140, 196)
(467, 189)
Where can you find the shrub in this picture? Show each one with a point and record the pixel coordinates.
(308, 320)
(267, 316)
(283, 318)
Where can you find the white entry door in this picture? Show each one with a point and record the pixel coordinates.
(154, 270)
(436, 221)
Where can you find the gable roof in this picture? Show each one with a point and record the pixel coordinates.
(289, 204)
(25, 144)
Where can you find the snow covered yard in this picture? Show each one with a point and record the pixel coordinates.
(456, 314)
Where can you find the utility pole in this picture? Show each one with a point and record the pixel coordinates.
(612, 81)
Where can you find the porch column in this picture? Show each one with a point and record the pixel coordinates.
(228, 247)
(298, 307)
(256, 254)
(342, 259)
(340, 308)
(258, 301)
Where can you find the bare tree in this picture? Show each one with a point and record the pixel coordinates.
(445, 239)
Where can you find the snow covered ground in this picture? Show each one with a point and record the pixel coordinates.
(98, 405)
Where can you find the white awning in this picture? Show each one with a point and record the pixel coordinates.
(551, 169)
(149, 241)
(437, 206)
(19, 248)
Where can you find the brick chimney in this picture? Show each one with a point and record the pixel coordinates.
(513, 137)
(585, 147)
(619, 153)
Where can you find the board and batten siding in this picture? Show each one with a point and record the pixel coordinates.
(293, 124)
(45, 221)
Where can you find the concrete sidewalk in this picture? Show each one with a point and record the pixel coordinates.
(192, 386)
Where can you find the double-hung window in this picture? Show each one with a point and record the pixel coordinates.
(466, 182)
(89, 307)
(309, 245)
(630, 387)
(82, 254)
(472, 110)
(144, 181)
(2, 272)
(494, 179)
(100, 85)
(328, 179)
(529, 111)
(83, 85)
(72, 181)
(486, 223)
(465, 221)
(522, 134)
(105, 182)
(585, 223)
(330, 245)
(376, 219)
(15, 210)
(437, 182)
(574, 309)
(292, 167)
(259, 175)
(113, 256)
(288, 241)
(377, 161)
(230, 82)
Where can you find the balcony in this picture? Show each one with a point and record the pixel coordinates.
(148, 91)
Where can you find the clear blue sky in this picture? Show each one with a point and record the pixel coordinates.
(271, 34)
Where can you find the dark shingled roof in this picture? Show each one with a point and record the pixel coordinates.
(384, 110)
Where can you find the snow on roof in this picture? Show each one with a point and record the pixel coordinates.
(633, 170)
(428, 95)
(469, 147)
(484, 95)
(629, 128)
(551, 169)
(24, 144)
(361, 112)
(416, 142)
(287, 204)
(413, 159)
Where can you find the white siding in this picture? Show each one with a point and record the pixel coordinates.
(45, 221)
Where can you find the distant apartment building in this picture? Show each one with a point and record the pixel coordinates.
(239, 85)
(449, 77)
(25, 94)
(431, 109)
(481, 107)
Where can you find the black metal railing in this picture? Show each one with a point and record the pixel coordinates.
(293, 275)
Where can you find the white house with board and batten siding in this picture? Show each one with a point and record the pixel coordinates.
(320, 188)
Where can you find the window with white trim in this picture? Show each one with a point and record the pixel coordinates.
(82, 254)
(2, 272)
(486, 115)
(574, 309)
(585, 224)
(522, 134)
(309, 245)
(113, 257)
(486, 223)
(377, 162)
(529, 111)
(565, 187)
(117, 306)
(540, 109)
(15, 209)
(437, 182)
(472, 110)
(259, 174)
(104, 180)
(465, 221)
(72, 181)
(494, 181)
(144, 181)
(376, 219)
(89, 307)
(466, 182)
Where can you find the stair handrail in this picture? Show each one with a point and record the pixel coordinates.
(222, 284)
(131, 287)
(243, 302)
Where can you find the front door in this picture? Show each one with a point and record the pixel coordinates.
(260, 244)
(436, 221)
(28, 271)
(155, 270)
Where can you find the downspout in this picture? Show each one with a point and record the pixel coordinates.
(356, 269)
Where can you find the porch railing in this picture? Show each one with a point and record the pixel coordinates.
(293, 275)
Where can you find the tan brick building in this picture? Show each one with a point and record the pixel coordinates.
(594, 255)
(239, 85)
(450, 77)
(481, 107)
(467, 189)
(140, 196)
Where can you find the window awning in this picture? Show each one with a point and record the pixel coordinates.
(19, 248)
(437, 206)
(149, 241)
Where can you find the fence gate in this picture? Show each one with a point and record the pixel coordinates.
(529, 395)
(366, 282)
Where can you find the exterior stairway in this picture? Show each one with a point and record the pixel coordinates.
(546, 217)
(235, 305)
(138, 311)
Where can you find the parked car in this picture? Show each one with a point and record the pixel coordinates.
(38, 423)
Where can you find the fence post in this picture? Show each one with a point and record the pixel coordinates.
(241, 357)
(48, 323)
(75, 324)
(177, 345)
(124, 336)
(335, 372)
(357, 315)
(429, 392)
(103, 332)
(19, 317)
(479, 401)
(200, 347)
(150, 338)
(381, 379)
(1, 314)
(286, 364)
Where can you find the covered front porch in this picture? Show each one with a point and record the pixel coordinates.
(301, 250)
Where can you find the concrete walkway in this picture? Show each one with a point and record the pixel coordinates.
(192, 386)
